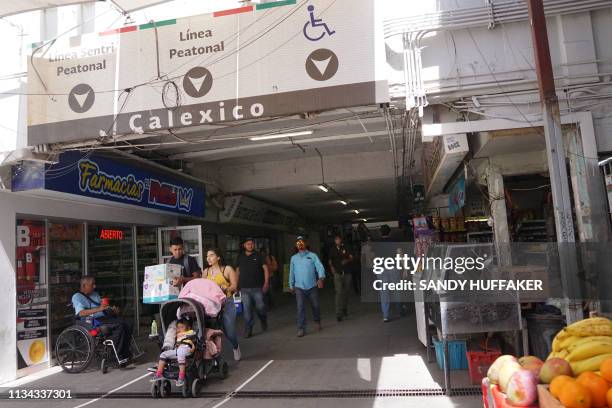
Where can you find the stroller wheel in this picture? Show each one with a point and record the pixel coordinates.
(224, 370)
(185, 389)
(195, 388)
(155, 390)
(104, 366)
(165, 388)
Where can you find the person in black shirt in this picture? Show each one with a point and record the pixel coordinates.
(189, 266)
(339, 259)
(254, 281)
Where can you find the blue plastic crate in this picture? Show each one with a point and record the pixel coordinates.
(457, 350)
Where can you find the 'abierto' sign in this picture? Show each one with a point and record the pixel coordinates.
(271, 59)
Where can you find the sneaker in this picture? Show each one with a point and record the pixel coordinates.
(386, 320)
(248, 333)
(237, 354)
(318, 326)
(157, 377)
(339, 318)
(264, 325)
(300, 333)
(180, 382)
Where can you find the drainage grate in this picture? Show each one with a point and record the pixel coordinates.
(415, 392)
(337, 394)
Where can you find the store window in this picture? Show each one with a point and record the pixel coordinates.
(65, 271)
(110, 259)
(146, 255)
(210, 241)
(232, 248)
(32, 300)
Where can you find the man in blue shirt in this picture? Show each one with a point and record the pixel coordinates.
(87, 303)
(306, 275)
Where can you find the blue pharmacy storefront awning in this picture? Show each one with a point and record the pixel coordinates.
(113, 179)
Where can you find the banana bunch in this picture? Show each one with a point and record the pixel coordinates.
(584, 344)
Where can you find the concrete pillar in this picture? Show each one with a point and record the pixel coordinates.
(588, 189)
(501, 231)
(591, 212)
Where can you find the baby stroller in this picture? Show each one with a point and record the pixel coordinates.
(198, 367)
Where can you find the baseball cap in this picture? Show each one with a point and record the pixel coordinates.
(300, 238)
(249, 239)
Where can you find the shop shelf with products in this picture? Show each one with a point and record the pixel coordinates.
(531, 231)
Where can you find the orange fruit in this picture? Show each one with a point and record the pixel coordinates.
(558, 383)
(597, 386)
(575, 395)
(606, 370)
(609, 398)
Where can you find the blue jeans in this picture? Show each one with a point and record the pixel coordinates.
(387, 297)
(312, 295)
(252, 296)
(229, 322)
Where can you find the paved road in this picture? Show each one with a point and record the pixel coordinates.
(280, 370)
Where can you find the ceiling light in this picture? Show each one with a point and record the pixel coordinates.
(356, 212)
(343, 202)
(281, 135)
(323, 188)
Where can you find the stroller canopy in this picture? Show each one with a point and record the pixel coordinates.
(168, 314)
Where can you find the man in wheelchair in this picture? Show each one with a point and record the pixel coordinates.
(91, 311)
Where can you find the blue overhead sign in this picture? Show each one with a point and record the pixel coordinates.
(108, 179)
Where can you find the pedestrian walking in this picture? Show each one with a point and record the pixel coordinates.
(226, 277)
(306, 276)
(340, 259)
(272, 264)
(254, 279)
(389, 299)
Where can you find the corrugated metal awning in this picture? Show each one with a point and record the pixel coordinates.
(9, 7)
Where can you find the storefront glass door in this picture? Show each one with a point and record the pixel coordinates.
(65, 271)
(110, 259)
(192, 239)
(146, 255)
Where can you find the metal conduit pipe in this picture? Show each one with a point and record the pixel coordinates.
(502, 13)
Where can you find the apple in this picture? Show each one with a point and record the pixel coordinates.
(522, 389)
(493, 373)
(533, 364)
(506, 372)
(555, 367)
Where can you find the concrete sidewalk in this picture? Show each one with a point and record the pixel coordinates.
(359, 354)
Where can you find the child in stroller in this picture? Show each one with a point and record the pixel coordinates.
(183, 348)
(185, 337)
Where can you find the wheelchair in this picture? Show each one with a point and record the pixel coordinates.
(80, 344)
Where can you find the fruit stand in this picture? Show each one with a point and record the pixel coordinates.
(577, 373)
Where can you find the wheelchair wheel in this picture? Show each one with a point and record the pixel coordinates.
(155, 389)
(104, 366)
(74, 349)
(165, 388)
(195, 388)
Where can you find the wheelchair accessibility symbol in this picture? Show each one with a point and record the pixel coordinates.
(315, 29)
